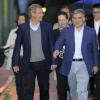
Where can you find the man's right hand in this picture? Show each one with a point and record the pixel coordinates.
(16, 69)
(55, 54)
(12, 46)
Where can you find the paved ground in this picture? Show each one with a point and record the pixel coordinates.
(7, 86)
(10, 92)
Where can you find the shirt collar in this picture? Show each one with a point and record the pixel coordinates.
(97, 22)
(34, 27)
(81, 30)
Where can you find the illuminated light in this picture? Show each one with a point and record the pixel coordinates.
(44, 9)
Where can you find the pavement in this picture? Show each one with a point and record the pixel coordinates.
(8, 89)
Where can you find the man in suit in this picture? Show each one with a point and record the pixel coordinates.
(35, 37)
(81, 55)
(94, 22)
(62, 84)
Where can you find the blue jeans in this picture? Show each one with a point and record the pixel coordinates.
(78, 79)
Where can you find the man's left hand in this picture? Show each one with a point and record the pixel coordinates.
(95, 70)
(53, 67)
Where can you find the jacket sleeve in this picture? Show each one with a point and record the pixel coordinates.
(95, 49)
(16, 53)
(53, 61)
(61, 40)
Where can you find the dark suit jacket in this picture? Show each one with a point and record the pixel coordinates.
(23, 38)
(56, 34)
(90, 23)
(89, 48)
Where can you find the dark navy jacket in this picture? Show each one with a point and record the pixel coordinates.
(23, 38)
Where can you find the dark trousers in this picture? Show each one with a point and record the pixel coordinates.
(62, 87)
(40, 70)
(62, 84)
(19, 82)
(95, 84)
(19, 85)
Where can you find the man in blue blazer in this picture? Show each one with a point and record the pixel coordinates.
(35, 37)
(81, 55)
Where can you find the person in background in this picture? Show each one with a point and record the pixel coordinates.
(80, 59)
(62, 85)
(11, 40)
(36, 38)
(94, 22)
(22, 5)
(66, 10)
(21, 18)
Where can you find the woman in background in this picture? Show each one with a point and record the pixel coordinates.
(11, 41)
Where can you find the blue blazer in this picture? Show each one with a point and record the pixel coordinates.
(89, 48)
(23, 38)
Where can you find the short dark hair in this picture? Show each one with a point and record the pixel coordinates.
(63, 13)
(96, 5)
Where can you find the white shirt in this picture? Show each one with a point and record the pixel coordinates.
(96, 26)
(34, 27)
(78, 42)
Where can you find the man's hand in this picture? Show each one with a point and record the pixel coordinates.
(53, 67)
(12, 46)
(16, 69)
(95, 70)
(55, 54)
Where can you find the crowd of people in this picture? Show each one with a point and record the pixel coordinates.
(71, 47)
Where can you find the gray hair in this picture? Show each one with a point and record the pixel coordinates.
(77, 11)
(32, 9)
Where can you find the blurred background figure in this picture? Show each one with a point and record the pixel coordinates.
(67, 11)
(22, 5)
(11, 41)
(62, 84)
(22, 18)
(94, 22)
